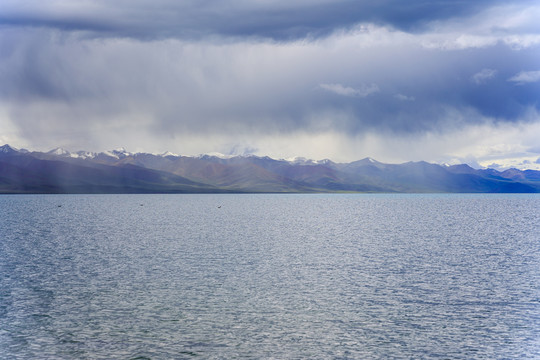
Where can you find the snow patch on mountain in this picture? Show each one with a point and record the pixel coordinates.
(121, 152)
(85, 155)
(214, 154)
(60, 152)
(168, 153)
(298, 160)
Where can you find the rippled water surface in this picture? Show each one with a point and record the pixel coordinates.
(269, 276)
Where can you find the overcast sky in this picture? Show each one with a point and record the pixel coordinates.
(442, 81)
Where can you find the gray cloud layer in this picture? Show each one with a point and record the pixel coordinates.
(81, 72)
(280, 19)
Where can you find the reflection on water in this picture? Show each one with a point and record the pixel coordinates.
(270, 276)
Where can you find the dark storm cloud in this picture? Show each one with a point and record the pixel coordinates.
(122, 72)
(201, 87)
(279, 20)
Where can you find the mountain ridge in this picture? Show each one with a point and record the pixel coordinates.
(120, 171)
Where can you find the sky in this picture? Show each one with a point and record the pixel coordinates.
(441, 81)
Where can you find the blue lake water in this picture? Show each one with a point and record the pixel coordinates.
(270, 276)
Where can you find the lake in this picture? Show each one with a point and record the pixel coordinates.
(330, 276)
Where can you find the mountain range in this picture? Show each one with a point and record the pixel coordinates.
(119, 171)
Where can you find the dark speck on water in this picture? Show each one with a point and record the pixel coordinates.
(275, 276)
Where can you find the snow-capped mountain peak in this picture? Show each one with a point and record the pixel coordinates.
(121, 152)
(59, 151)
(6, 149)
(85, 154)
(168, 153)
(110, 154)
(370, 160)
